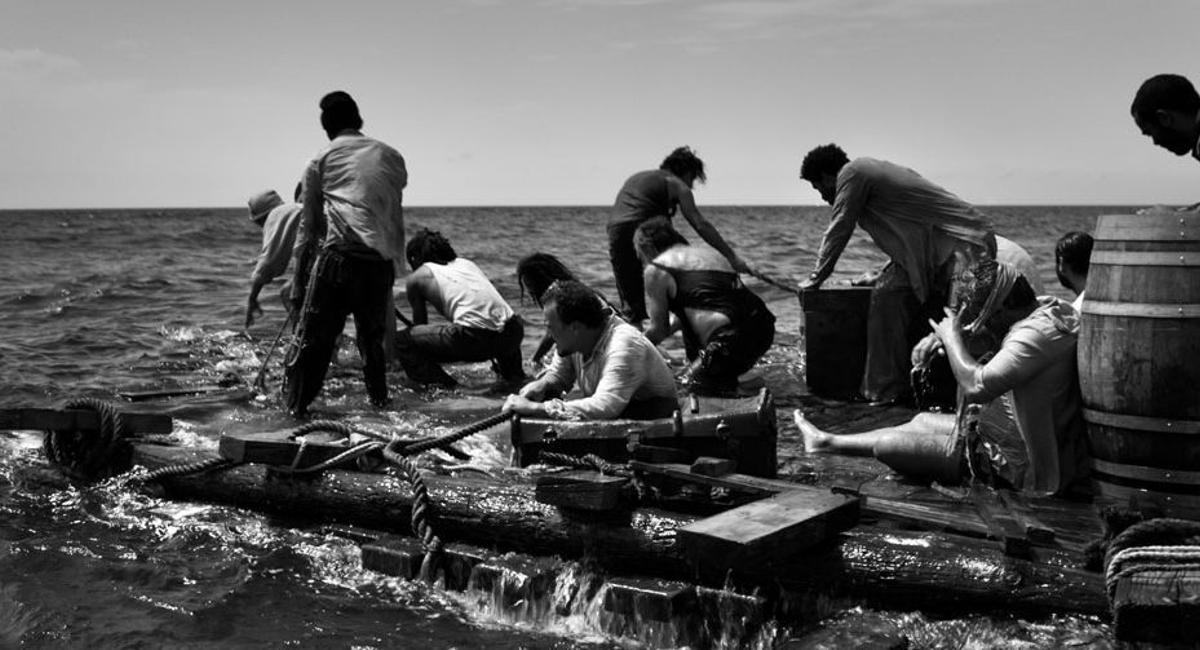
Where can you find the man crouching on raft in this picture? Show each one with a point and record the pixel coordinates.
(1018, 423)
(620, 373)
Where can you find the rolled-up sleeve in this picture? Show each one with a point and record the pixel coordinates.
(1018, 361)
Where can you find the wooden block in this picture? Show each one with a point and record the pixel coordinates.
(768, 530)
(516, 580)
(459, 562)
(1002, 525)
(278, 448)
(354, 534)
(394, 556)
(648, 598)
(79, 420)
(143, 395)
(1158, 604)
(736, 482)
(581, 489)
(709, 466)
(656, 454)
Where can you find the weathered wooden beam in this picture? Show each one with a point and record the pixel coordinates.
(767, 531)
(279, 448)
(143, 395)
(581, 489)
(709, 466)
(44, 419)
(1158, 604)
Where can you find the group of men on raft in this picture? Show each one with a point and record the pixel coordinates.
(1010, 349)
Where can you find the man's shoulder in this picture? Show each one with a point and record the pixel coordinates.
(1053, 324)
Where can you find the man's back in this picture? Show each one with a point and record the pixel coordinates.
(362, 183)
(468, 297)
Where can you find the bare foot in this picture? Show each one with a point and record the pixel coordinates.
(815, 440)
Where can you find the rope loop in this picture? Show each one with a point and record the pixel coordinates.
(1150, 544)
(89, 456)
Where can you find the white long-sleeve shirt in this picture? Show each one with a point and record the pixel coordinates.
(623, 367)
(278, 239)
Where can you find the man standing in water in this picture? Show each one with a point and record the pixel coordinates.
(279, 222)
(657, 193)
(1167, 110)
(353, 191)
(927, 232)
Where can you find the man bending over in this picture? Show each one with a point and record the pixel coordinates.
(620, 373)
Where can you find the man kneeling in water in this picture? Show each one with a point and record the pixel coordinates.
(620, 373)
(482, 325)
(1018, 422)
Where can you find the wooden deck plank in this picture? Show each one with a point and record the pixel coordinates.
(43, 419)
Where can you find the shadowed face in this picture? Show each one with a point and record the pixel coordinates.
(568, 337)
(1170, 130)
(826, 186)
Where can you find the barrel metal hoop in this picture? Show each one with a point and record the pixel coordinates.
(1146, 258)
(1140, 309)
(1141, 422)
(1143, 473)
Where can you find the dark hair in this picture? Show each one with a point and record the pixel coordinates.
(973, 294)
(1074, 249)
(825, 159)
(536, 272)
(428, 246)
(655, 236)
(1165, 92)
(298, 193)
(683, 161)
(574, 302)
(339, 112)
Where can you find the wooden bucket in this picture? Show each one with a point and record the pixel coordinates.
(1139, 362)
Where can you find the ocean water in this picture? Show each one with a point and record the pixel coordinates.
(95, 302)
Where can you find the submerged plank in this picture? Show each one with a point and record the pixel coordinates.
(44, 419)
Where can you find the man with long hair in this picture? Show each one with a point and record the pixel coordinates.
(658, 193)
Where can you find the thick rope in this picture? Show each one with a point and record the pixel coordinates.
(590, 461)
(85, 456)
(1148, 545)
(182, 469)
(449, 439)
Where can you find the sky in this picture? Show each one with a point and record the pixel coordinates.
(201, 103)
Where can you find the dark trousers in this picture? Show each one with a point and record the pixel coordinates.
(340, 285)
(627, 269)
(729, 352)
(422, 348)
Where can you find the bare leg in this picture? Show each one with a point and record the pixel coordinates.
(850, 444)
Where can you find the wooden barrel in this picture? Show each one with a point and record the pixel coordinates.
(1139, 362)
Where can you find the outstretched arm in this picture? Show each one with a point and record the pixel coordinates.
(703, 227)
(416, 287)
(851, 196)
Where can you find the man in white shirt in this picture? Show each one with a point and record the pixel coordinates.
(620, 373)
(481, 325)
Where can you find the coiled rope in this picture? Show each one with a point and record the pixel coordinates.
(1152, 544)
(87, 456)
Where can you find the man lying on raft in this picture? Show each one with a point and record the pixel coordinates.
(726, 327)
(620, 373)
(482, 326)
(1018, 421)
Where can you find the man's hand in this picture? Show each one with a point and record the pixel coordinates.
(810, 285)
(521, 406)
(252, 309)
(867, 279)
(948, 330)
(926, 350)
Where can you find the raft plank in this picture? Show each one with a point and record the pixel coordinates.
(78, 420)
(766, 531)
(709, 466)
(1018, 506)
(656, 454)
(143, 395)
(1003, 526)
(1157, 605)
(582, 489)
(394, 555)
(276, 448)
(740, 482)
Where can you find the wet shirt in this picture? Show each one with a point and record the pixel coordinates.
(358, 185)
(643, 196)
(278, 238)
(468, 297)
(1036, 366)
(917, 223)
(623, 367)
